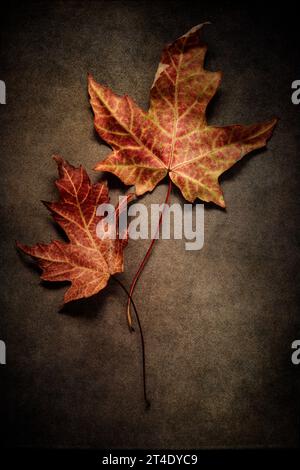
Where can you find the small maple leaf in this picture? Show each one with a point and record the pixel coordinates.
(86, 261)
(173, 137)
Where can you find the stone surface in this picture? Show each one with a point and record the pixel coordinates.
(219, 322)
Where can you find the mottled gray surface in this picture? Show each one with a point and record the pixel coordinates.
(219, 322)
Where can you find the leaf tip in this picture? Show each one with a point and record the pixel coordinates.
(272, 124)
(57, 158)
(91, 82)
(275, 121)
(221, 202)
(21, 247)
(196, 29)
(46, 204)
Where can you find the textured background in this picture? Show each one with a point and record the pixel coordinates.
(219, 322)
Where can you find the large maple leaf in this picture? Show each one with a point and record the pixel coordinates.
(86, 261)
(173, 136)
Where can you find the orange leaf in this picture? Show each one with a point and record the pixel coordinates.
(86, 261)
(173, 137)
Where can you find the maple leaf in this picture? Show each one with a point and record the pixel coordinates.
(86, 261)
(173, 137)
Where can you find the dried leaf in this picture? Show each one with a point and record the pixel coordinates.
(173, 137)
(86, 261)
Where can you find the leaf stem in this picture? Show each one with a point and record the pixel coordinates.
(144, 261)
(147, 402)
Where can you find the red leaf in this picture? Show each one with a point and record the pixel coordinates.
(173, 137)
(86, 261)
